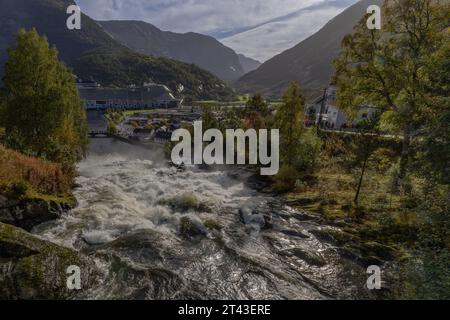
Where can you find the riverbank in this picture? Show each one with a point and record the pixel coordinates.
(34, 191)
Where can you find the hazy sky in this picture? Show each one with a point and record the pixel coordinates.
(257, 28)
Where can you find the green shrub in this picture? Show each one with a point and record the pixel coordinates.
(382, 158)
(112, 129)
(286, 179)
(16, 189)
(185, 202)
(212, 224)
(308, 150)
(188, 201)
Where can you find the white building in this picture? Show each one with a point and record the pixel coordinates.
(95, 97)
(331, 117)
(328, 112)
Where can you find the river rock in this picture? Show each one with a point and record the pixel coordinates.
(309, 257)
(260, 183)
(293, 233)
(3, 201)
(31, 268)
(354, 254)
(366, 254)
(379, 250)
(191, 228)
(250, 217)
(29, 213)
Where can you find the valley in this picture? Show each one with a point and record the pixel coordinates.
(146, 157)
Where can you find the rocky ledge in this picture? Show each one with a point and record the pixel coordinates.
(28, 213)
(31, 268)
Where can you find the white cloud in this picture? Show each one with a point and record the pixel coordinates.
(268, 40)
(206, 16)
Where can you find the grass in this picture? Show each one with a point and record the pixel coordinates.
(133, 112)
(212, 224)
(380, 215)
(22, 176)
(336, 192)
(62, 200)
(186, 201)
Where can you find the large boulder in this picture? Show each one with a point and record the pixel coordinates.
(31, 268)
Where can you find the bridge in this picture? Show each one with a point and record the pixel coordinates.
(98, 134)
(97, 124)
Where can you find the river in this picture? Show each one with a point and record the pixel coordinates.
(127, 221)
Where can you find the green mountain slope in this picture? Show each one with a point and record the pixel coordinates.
(201, 50)
(92, 53)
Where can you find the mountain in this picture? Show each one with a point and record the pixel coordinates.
(310, 62)
(93, 53)
(269, 37)
(248, 64)
(203, 51)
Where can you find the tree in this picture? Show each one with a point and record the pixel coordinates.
(289, 120)
(209, 119)
(134, 124)
(367, 136)
(389, 68)
(433, 143)
(433, 150)
(2, 106)
(257, 104)
(255, 113)
(254, 120)
(299, 146)
(44, 115)
(231, 121)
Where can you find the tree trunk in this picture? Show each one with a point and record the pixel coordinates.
(363, 171)
(405, 154)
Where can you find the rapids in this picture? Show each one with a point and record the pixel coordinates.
(257, 247)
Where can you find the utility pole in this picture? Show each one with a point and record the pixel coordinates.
(322, 107)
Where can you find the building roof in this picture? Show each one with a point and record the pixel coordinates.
(148, 93)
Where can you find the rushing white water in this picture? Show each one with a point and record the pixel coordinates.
(127, 218)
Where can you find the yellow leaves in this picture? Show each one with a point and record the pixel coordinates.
(388, 121)
(43, 176)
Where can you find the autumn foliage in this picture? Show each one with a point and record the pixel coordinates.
(32, 175)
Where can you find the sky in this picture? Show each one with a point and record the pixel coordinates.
(259, 29)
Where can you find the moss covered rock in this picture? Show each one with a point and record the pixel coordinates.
(28, 213)
(186, 202)
(191, 229)
(31, 268)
